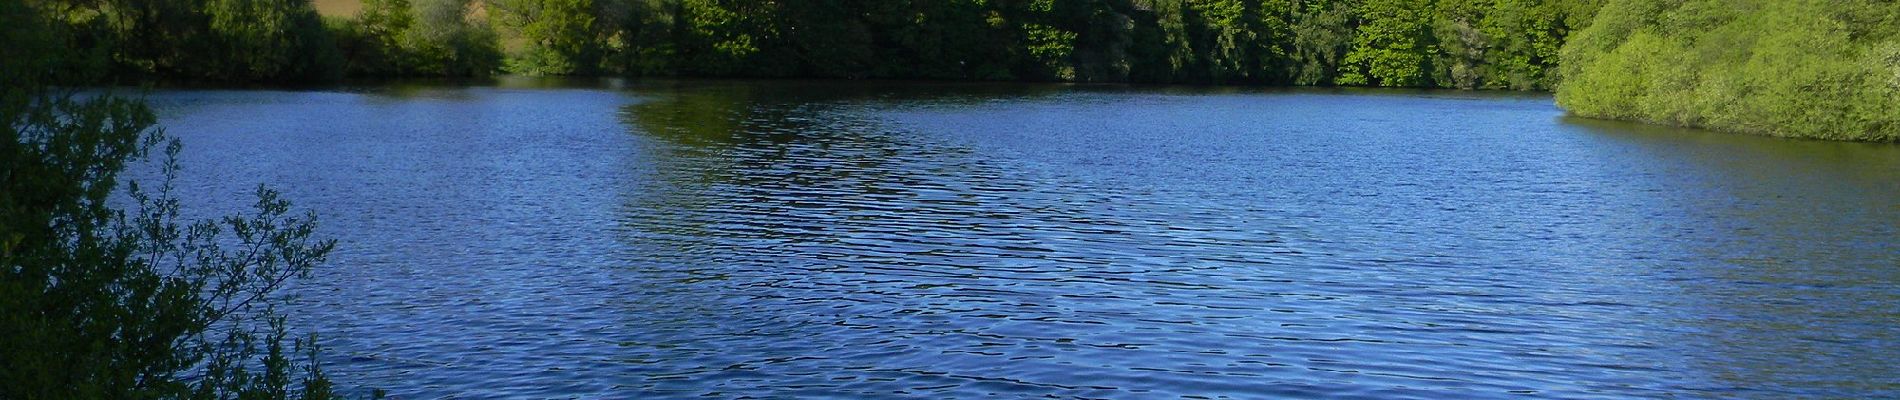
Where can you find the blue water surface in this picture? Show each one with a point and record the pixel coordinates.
(832, 239)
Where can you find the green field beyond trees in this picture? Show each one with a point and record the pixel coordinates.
(1807, 68)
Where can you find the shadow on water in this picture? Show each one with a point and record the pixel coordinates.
(1835, 196)
(817, 246)
(1759, 158)
(1802, 237)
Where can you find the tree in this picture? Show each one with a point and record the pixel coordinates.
(1394, 46)
(1801, 68)
(1322, 34)
(102, 302)
(561, 35)
(281, 40)
(430, 38)
(444, 41)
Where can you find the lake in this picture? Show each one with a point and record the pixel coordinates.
(627, 239)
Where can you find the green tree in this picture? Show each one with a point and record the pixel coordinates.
(1245, 40)
(431, 38)
(721, 37)
(1802, 68)
(1322, 34)
(446, 41)
(561, 36)
(1394, 46)
(372, 43)
(102, 302)
(1503, 44)
(280, 40)
(216, 40)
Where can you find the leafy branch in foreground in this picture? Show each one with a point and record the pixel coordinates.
(98, 302)
(103, 302)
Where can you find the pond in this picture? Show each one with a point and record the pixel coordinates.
(852, 239)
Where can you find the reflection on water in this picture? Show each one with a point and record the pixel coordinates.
(951, 240)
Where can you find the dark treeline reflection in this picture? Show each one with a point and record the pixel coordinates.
(841, 251)
(1794, 244)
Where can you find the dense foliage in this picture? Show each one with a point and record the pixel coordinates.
(221, 40)
(1805, 68)
(394, 38)
(1811, 68)
(105, 291)
(1425, 43)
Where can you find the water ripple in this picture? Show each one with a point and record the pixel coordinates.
(839, 240)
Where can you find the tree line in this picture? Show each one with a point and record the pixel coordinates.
(1804, 68)
(1510, 44)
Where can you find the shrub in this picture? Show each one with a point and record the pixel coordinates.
(1798, 68)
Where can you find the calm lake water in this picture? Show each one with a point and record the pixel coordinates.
(787, 239)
